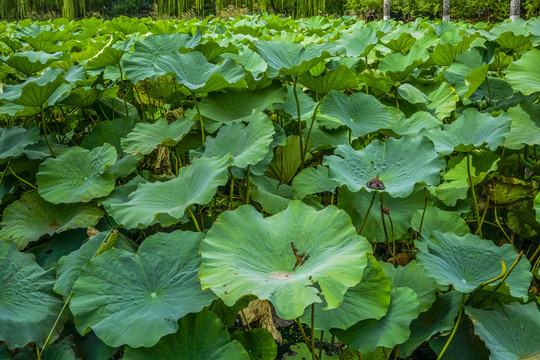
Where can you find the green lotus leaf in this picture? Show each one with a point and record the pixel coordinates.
(90, 347)
(146, 137)
(399, 164)
(412, 94)
(48, 253)
(258, 343)
(390, 330)
(30, 62)
(456, 183)
(250, 60)
(467, 72)
(437, 219)
(152, 290)
(510, 331)
(31, 217)
(311, 181)
(525, 126)
(399, 40)
(13, 140)
(82, 97)
(248, 145)
(443, 99)
(229, 314)
(468, 261)
(362, 113)
(307, 104)
(358, 43)
(419, 121)
(524, 74)
(108, 56)
(438, 319)
(78, 175)
(399, 66)
(464, 346)
(537, 207)
(470, 131)
(369, 299)
(270, 193)
(521, 220)
(286, 160)
(200, 337)
(290, 58)
(401, 210)
(416, 278)
(41, 151)
(341, 78)
(195, 184)
(28, 306)
(301, 352)
(238, 259)
(379, 82)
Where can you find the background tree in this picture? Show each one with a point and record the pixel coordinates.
(514, 9)
(386, 10)
(446, 10)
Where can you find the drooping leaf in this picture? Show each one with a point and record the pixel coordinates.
(146, 137)
(524, 74)
(525, 126)
(249, 265)
(30, 62)
(467, 72)
(152, 290)
(13, 140)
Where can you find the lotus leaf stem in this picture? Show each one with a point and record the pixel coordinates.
(503, 279)
(383, 222)
(321, 346)
(247, 183)
(245, 319)
(306, 341)
(200, 116)
(5, 170)
(483, 217)
(456, 325)
(194, 219)
(231, 193)
(313, 331)
(423, 213)
(122, 82)
(20, 178)
(299, 121)
(473, 192)
(504, 232)
(45, 133)
(484, 284)
(367, 213)
(54, 327)
(305, 149)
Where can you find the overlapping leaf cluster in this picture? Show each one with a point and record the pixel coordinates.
(375, 181)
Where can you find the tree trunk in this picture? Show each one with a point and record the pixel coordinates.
(446, 10)
(386, 10)
(514, 9)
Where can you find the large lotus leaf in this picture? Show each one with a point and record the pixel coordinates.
(200, 337)
(524, 74)
(78, 175)
(525, 126)
(290, 58)
(151, 290)
(399, 66)
(443, 99)
(360, 112)
(456, 182)
(509, 331)
(258, 343)
(467, 72)
(390, 330)
(401, 210)
(358, 43)
(341, 78)
(286, 160)
(48, 253)
(13, 140)
(31, 217)
(412, 94)
(109, 132)
(464, 346)
(195, 184)
(438, 319)
(399, 164)
(250, 60)
(399, 40)
(244, 253)
(248, 145)
(270, 193)
(145, 137)
(369, 299)
(412, 126)
(437, 219)
(472, 130)
(311, 181)
(416, 278)
(108, 56)
(307, 104)
(82, 97)
(28, 306)
(468, 261)
(30, 62)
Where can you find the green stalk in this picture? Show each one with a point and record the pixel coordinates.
(45, 132)
(194, 219)
(423, 212)
(122, 82)
(382, 219)
(483, 217)
(473, 192)
(458, 321)
(367, 213)
(200, 116)
(306, 341)
(247, 184)
(313, 331)
(20, 178)
(299, 121)
(304, 152)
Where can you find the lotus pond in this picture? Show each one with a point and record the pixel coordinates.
(377, 184)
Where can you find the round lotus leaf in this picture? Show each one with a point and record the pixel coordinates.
(467, 261)
(145, 137)
(397, 164)
(30, 62)
(524, 74)
(247, 145)
(509, 331)
(31, 217)
(109, 132)
(151, 290)
(259, 343)
(470, 131)
(437, 219)
(13, 140)
(362, 113)
(390, 330)
(369, 299)
(358, 43)
(312, 181)
(244, 253)
(341, 78)
(525, 127)
(28, 306)
(78, 175)
(195, 184)
(200, 337)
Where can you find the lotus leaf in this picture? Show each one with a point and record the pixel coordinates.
(244, 253)
(30, 217)
(151, 290)
(467, 72)
(399, 66)
(399, 164)
(13, 140)
(78, 175)
(358, 43)
(258, 343)
(468, 261)
(311, 181)
(465, 345)
(195, 184)
(273, 196)
(30, 62)
(525, 126)
(362, 113)
(341, 78)
(419, 121)
(146, 137)
(509, 331)
(27, 318)
(437, 219)
(200, 337)
(524, 74)
(390, 330)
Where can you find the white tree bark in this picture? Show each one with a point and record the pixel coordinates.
(514, 9)
(446, 10)
(386, 10)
